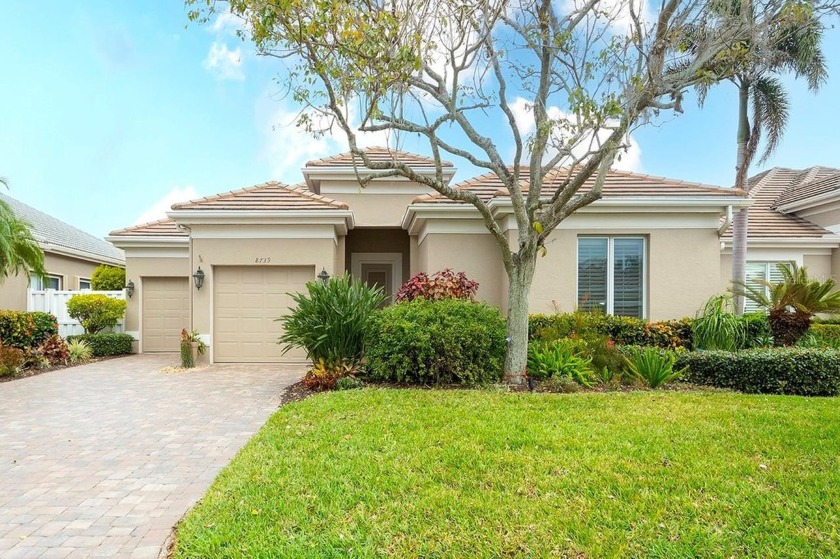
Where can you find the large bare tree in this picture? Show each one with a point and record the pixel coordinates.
(456, 72)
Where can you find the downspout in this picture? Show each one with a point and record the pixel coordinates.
(727, 222)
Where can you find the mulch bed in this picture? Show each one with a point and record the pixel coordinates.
(26, 373)
(295, 393)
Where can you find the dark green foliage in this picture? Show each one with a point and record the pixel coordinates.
(654, 366)
(26, 329)
(795, 371)
(107, 278)
(437, 342)
(717, 326)
(330, 320)
(349, 383)
(96, 312)
(11, 359)
(106, 343)
(620, 329)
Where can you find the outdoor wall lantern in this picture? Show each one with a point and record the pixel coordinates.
(324, 276)
(198, 278)
(129, 289)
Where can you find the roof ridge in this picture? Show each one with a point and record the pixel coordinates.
(141, 225)
(396, 154)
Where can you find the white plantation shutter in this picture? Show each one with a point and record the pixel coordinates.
(757, 272)
(611, 275)
(628, 276)
(592, 273)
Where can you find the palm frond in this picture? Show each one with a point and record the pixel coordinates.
(771, 110)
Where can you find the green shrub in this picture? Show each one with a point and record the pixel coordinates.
(331, 319)
(559, 358)
(79, 351)
(349, 383)
(107, 278)
(654, 366)
(11, 360)
(106, 343)
(96, 312)
(796, 371)
(26, 329)
(437, 342)
(717, 327)
(623, 330)
(825, 334)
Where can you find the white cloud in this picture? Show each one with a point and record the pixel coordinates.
(226, 22)
(158, 209)
(627, 159)
(224, 63)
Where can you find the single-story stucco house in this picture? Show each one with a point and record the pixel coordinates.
(70, 256)
(652, 247)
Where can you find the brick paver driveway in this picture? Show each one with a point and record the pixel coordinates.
(102, 460)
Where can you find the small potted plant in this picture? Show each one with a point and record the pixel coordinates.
(191, 347)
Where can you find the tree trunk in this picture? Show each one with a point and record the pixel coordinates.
(520, 279)
(740, 222)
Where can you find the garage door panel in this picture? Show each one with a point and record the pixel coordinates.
(165, 312)
(247, 302)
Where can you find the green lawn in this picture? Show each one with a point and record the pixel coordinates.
(422, 473)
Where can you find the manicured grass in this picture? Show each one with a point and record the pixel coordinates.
(411, 473)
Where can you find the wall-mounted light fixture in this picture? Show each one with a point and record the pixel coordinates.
(324, 276)
(129, 289)
(198, 278)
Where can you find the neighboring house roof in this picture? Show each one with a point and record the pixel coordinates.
(160, 228)
(57, 236)
(768, 188)
(376, 154)
(618, 184)
(817, 181)
(267, 196)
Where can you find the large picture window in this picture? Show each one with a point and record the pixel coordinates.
(759, 271)
(611, 275)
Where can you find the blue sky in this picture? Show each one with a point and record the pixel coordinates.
(111, 109)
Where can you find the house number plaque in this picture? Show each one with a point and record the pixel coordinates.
(262, 260)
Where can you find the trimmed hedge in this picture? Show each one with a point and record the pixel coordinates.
(25, 330)
(622, 330)
(108, 343)
(793, 371)
(437, 342)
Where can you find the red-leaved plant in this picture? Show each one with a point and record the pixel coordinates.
(440, 285)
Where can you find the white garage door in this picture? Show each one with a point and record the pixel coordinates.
(247, 302)
(166, 310)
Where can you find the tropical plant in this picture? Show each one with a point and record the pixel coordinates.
(96, 312)
(54, 349)
(20, 252)
(792, 302)
(107, 278)
(654, 366)
(79, 352)
(559, 359)
(11, 360)
(331, 319)
(445, 284)
(717, 327)
(438, 69)
(788, 43)
(326, 375)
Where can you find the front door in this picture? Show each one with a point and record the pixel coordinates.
(380, 269)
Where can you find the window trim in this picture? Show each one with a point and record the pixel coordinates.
(86, 280)
(611, 272)
(42, 287)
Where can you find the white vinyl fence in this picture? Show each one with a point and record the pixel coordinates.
(55, 303)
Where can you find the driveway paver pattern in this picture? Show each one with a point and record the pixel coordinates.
(102, 460)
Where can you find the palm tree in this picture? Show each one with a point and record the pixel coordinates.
(19, 251)
(793, 45)
(793, 302)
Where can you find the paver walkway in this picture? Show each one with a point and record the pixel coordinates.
(102, 460)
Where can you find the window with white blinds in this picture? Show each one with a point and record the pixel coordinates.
(611, 275)
(756, 272)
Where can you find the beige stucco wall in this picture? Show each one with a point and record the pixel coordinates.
(372, 209)
(13, 289)
(819, 266)
(475, 254)
(320, 253)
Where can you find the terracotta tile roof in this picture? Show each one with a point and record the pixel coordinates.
(377, 154)
(267, 196)
(818, 181)
(766, 189)
(160, 228)
(618, 184)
